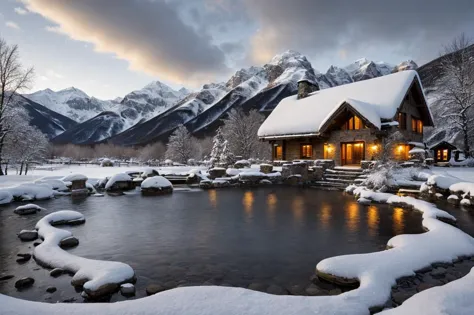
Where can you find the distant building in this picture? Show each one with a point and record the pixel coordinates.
(443, 151)
(348, 123)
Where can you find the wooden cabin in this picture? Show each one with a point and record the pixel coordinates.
(443, 151)
(348, 123)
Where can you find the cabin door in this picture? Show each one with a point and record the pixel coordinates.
(352, 153)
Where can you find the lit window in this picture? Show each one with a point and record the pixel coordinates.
(354, 123)
(278, 153)
(445, 155)
(416, 125)
(306, 151)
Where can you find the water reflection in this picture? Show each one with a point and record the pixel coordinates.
(271, 206)
(297, 207)
(352, 217)
(325, 216)
(213, 197)
(247, 202)
(373, 220)
(397, 217)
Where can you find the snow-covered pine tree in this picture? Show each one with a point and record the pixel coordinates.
(217, 147)
(181, 145)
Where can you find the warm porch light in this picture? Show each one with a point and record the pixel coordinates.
(400, 148)
(374, 148)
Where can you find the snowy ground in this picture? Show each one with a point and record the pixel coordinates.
(464, 173)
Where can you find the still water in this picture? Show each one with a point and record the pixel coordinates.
(222, 237)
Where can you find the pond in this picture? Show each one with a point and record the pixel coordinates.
(237, 237)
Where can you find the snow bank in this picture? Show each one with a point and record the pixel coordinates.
(94, 274)
(378, 271)
(156, 182)
(55, 184)
(5, 197)
(462, 187)
(26, 191)
(73, 177)
(442, 181)
(121, 177)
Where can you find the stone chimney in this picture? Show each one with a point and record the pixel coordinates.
(305, 87)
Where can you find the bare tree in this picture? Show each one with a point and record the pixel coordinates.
(24, 143)
(13, 79)
(240, 130)
(181, 145)
(456, 87)
(155, 151)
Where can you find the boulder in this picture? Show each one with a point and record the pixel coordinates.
(277, 290)
(205, 184)
(453, 199)
(56, 272)
(28, 235)
(156, 185)
(154, 288)
(266, 168)
(127, 289)
(23, 258)
(51, 289)
(28, 209)
(24, 283)
(6, 277)
(242, 164)
(217, 172)
(68, 242)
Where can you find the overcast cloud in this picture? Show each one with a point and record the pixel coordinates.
(190, 42)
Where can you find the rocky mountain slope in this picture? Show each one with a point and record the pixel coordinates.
(71, 102)
(47, 121)
(93, 130)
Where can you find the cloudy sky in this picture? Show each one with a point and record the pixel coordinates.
(110, 47)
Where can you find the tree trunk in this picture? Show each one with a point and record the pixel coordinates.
(465, 131)
(26, 169)
(21, 168)
(6, 168)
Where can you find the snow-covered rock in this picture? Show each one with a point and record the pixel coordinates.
(116, 181)
(28, 209)
(74, 177)
(156, 182)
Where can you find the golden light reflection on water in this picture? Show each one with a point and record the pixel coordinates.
(398, 225)
(297, 207)
(325, 216)
(213, 197)
(352, 217)
(247, 201)
(271, 206)
(373, 219)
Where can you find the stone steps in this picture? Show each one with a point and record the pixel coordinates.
(339, 180)
(328, 185)
(335, 175)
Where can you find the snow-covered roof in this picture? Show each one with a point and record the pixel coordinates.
(374, 99)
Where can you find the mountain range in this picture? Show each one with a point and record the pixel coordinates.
(152, 113)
